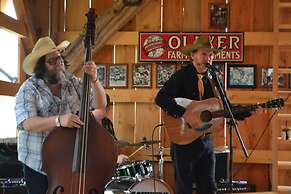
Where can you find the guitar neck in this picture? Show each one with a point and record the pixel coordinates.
(237, 110)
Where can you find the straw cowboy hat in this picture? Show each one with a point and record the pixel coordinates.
(42, 47)
(202, 42)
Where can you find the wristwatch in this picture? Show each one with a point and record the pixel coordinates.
(58, 121)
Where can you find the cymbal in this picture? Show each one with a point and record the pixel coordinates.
(145, 142)
(122, 143)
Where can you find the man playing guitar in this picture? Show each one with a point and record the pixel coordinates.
(194, 160)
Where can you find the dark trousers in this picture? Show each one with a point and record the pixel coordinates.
(194, 162)
(36, 183)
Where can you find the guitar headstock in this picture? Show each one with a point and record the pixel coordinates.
(276, 103)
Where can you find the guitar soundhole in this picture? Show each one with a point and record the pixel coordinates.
(205, 116)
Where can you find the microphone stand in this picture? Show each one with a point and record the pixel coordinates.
(231, 121)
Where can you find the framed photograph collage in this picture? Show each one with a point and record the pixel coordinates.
(117, 75)
(239, 75)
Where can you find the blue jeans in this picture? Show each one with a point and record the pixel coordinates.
(194, 162)
(36, 183)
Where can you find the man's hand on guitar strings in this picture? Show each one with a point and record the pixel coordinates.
(242, 113)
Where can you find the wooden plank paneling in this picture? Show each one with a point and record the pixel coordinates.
(285, 15)
(264, 14)
(240, 15)
(149, 18)
(261, 56)
(101, 5)
(105, 55)
(61, 17)
(253, 130)
(147, 117)
(124, 118)
(285, 55)
(191, 15)
(124, 121)
(75, 14)
(250, 173)
(173, 20)
(41, 17)
(250, 38)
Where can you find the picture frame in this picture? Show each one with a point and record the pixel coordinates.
(117, 77)
(101, 71)
(267, 78)
(163, 72)
(218, 15)
(241, 75)
(142, 75)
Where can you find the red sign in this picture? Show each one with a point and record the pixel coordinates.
(168, 46)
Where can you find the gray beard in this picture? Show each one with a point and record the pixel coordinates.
(52, 78)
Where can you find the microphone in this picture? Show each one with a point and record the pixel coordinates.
(211, 67)
(208, 65)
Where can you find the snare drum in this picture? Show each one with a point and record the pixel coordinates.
(133, 185)
(138, 169)
(126, 170)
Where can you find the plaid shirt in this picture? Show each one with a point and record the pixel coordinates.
(34, 98)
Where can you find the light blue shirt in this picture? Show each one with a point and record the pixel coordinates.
(34, 98)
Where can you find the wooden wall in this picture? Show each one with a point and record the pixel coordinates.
(134, 113)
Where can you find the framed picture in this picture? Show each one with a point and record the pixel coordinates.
(164, 72)
(267, 78)
(241, 76)
(101, 74)
(117, 76)
(142, 75)
(221, 69)
(218, 15)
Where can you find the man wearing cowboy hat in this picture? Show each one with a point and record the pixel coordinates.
(49, 98)
(194, 161)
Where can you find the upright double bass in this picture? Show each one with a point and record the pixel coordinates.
(80, 161)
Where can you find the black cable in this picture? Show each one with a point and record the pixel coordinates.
(254, 148)
(259, 139)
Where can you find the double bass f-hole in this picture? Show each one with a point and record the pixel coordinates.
(76, 160)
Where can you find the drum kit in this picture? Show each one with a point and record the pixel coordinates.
(138, 176)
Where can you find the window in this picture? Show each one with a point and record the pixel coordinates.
(9, 48)
(9, 66)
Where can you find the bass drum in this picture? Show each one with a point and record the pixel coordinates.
(120, 185)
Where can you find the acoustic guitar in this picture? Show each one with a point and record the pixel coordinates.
(210, 117)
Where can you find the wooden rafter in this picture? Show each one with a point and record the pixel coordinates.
(12, 25)
(107, 24)
(24, 14)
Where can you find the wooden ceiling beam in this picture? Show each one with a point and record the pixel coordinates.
(107, 24)
(23, 12)
(12, 25)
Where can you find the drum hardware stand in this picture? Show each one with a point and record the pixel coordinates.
(161, 163)
(161, 154)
